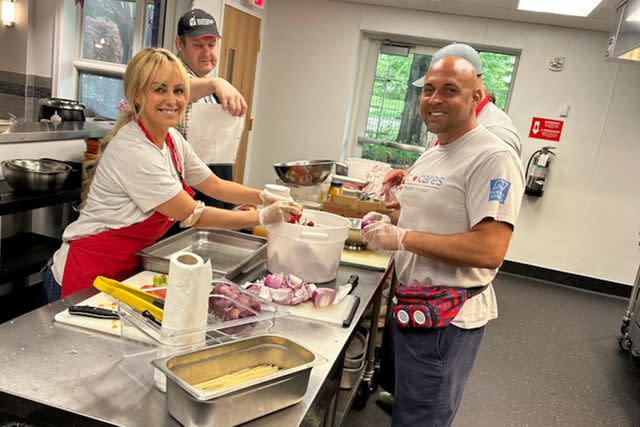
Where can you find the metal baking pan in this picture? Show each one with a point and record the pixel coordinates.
(196, 407)
(230, 252)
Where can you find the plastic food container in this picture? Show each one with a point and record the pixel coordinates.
(311, 253)
(240, 401)
(143, 339)
(217, 328)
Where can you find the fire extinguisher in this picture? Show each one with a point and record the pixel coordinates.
(537, 171)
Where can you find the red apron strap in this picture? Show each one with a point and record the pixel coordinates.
(175, 159)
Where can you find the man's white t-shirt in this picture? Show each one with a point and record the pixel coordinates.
(133, 177)
(499, 123)
(448, 190)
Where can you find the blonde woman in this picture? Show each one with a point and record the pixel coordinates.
(142, 184)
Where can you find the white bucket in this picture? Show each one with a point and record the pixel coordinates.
(311, 253)
(360, 168)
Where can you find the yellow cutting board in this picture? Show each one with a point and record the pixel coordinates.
(101, 300)
(367, 258)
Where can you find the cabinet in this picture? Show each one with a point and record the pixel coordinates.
(24, 253)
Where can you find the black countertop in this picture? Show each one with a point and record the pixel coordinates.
(13, 202)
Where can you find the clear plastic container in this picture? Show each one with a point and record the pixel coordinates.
(143, 339)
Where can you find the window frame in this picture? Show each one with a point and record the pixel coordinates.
(372, 46)
(69, 64)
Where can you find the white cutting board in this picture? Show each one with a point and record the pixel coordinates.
(335, 313)
(101, 300)
(107, 326)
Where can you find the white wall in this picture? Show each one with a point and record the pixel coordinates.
(13, 40)
(587, 223)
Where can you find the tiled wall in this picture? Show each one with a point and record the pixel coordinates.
(19, 94)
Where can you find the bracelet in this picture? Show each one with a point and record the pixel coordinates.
(195, 215)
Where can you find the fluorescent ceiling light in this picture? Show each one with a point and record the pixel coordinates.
(561, 7)
(634, 17)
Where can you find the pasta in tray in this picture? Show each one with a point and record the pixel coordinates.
(239, 377)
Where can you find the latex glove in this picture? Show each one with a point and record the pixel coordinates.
(269, 198)
(376, 217)
(230, 98)
(278, 212)
(383, 235)
(393, 179)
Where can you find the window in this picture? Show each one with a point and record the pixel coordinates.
(112, 31)
(395, 133)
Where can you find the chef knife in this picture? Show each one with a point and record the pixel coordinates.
(346, 289)
(89, 311)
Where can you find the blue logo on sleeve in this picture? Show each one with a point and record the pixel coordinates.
(499, 190)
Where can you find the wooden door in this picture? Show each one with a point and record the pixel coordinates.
(238, 56)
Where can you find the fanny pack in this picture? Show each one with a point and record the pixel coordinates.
(427, 307)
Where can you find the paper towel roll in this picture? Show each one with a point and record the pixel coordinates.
(187, 302)
(186, 306)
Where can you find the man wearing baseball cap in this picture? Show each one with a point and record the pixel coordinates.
(197, 45)
(495, 121)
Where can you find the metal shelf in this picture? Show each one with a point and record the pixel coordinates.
(24, 254)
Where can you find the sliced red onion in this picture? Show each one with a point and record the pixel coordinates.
(265, 293)
(295, 281)
(275, 281)
(254, 288)
(323, 297)
(282, 296)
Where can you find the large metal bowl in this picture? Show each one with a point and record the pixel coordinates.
(304, 172)
(35, 175)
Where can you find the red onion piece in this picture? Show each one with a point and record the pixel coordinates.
(323, 297)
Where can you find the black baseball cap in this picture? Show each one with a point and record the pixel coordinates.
(197, 23)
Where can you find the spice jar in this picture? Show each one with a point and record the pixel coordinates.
(336, 188)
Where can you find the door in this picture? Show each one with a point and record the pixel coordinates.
(240, 47)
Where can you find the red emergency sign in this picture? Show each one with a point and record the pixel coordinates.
(546, 129)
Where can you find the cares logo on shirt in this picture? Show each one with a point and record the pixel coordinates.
(428, 180)
(499, 190)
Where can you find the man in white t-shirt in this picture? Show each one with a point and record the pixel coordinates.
(459, 204)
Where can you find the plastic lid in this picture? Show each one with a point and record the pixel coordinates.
(336, 184)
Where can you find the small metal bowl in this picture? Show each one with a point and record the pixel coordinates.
(354, 237)
(35, 175)
(304, 172)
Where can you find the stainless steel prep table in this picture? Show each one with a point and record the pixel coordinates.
(46, 365)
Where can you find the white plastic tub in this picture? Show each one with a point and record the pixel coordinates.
(361, 168)
(311, 253)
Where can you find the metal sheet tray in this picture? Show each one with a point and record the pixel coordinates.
(193, 406)
(230, 252)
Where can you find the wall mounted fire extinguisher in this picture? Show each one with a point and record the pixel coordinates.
(537, 171)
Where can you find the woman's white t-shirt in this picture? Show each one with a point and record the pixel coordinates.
(133, 177)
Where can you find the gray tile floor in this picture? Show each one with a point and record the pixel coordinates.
(551, 359)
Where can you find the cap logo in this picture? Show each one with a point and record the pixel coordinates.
(192, 21)
(205, 21)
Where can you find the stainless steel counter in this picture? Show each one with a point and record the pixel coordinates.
(36, 132)
(46, 365)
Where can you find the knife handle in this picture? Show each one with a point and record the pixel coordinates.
(353, 279)
(347, 322)
(89, 311)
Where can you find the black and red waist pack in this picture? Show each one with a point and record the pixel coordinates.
(427, 307)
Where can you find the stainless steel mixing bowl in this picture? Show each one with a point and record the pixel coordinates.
(304, 172)
(35, 175)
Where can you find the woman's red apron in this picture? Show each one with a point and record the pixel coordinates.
(113, 253)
